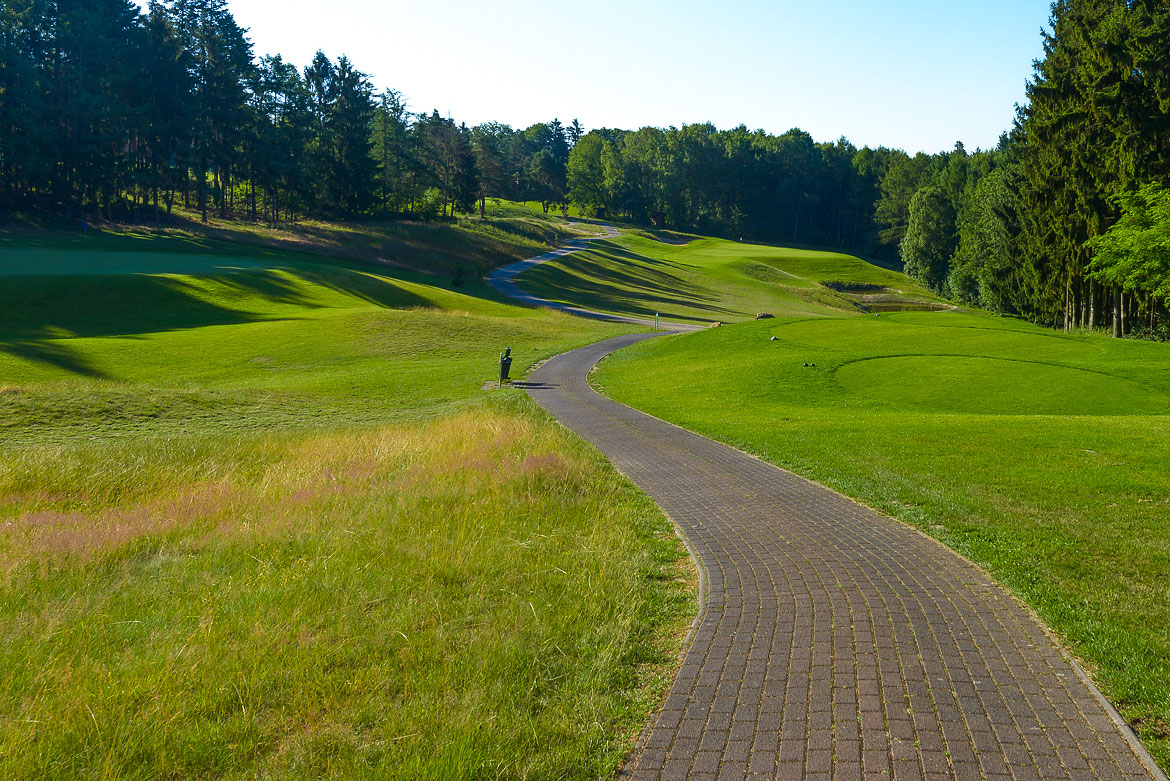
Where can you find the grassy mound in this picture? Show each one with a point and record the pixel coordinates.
(995, 386)
(713, 279)
(174, 343)
(469, 246)
(1040, 455)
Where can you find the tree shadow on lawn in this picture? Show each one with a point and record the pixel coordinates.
(620, 253)
(53, 354)
(433, 247)
(592, 293)
(634, 275)
(38, 313)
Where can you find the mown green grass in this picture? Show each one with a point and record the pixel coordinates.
(247, 343)
(1041, 456)
(257, 518)
(706, 279)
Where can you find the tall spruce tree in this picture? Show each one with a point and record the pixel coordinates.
(351, 118)
(167, 111)
(220, 68)
(393, 150)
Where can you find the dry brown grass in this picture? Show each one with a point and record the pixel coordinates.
(481, 594)
(462, 453)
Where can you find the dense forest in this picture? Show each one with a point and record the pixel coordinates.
(107, 112)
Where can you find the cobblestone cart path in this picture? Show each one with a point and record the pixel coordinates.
(834, 642)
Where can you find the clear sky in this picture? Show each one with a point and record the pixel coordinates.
(914, 74)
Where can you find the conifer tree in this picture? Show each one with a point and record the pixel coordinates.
(220, 68)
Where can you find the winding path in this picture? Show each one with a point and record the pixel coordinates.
(834, 642)
(503, 279)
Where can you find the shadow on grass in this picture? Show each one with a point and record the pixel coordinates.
(431, 247)
(591, 294)
(109, 305)
(53, 354)
(39, 314)
(625, 268)
(621, 254)
(628, 278)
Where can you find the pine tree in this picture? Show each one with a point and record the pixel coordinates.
(220, 68)
(353, 179)
(488, 141)
(27, 130)
(93, 104)
(574, 132)
(284, 121)
(167, 109)
(392, 149)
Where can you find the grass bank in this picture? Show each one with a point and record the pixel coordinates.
(706, 279)
(468, 245)
(1042, 456)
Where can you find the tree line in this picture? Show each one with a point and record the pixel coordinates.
(109, 111)
(737, 183)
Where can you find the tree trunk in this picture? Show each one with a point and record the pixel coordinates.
(1083, 305)
(202, 185)
(1092, 307)
(1117, 327)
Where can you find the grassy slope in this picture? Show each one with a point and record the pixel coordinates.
(1042, 456)
(510, 232)
(256, 517)
(705, 279)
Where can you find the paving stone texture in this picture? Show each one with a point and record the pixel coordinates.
(834, 642)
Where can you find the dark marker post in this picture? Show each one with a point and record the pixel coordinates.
(505, 366)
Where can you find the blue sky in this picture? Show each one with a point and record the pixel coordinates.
(914, 74)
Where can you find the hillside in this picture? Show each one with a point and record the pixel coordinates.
(702, 279)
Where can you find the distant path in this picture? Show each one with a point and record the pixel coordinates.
(834, 642)
(503, 280)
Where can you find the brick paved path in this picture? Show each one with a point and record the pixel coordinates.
(835, 642)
